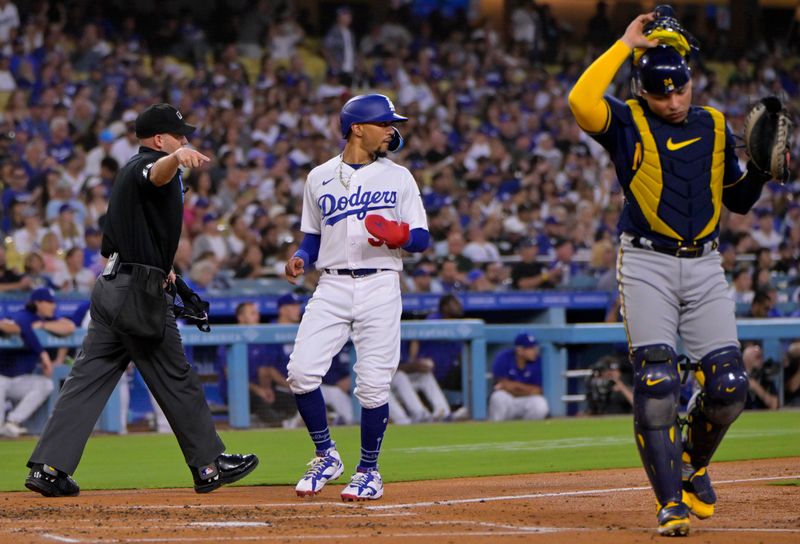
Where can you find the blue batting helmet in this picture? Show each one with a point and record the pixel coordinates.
(369, 108)
(661, 70)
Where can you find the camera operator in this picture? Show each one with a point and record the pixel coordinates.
(606, 392)
(763, 393)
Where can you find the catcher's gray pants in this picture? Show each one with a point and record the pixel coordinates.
(665, 296)
(104, 356)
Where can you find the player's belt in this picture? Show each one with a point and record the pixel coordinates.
(357, 273)
(683, 252)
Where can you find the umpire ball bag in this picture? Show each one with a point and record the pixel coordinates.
(143, 312)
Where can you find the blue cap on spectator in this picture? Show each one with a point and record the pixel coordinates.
(551, 220)
(529, 242)
(65, 208)
(793, 206)
(419, 272)
(90, 231)
(42, 294)
(106, 136)
(201, 203)
(525, 340)
(474, 275)
(288, 298)
(207, 218)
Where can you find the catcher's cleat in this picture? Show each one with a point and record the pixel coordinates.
(322, 469)
(673, 519)
(226, 469)
(698, 493)
(51, 482)
(363, 486)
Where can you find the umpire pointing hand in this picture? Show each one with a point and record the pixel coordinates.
(133, 319)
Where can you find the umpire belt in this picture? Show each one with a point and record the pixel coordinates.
(356, 273)
(682, 252)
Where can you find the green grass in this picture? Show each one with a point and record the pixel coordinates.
(787, 483)
(415, 452)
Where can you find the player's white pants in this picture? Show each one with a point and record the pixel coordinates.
(340, 402)
(367, 310)
(503, 405)
(407, 385)
(27, 392)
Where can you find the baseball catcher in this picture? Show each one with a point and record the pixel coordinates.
(677, 166)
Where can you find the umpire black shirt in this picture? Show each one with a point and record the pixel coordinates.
(143, 223)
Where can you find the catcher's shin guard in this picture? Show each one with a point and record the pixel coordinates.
(656, 389)
(724, 381)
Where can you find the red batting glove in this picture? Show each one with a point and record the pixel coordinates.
(393, 233)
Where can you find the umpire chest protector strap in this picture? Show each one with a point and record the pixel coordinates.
(678, 194)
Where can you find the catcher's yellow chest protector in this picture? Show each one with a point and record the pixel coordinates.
(679, 172)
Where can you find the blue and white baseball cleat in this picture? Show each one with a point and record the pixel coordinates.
(322, 469)
(364, 486)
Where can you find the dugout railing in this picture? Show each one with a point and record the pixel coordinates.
(476, 369)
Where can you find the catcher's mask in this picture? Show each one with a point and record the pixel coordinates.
(371, 108)
(660, 70)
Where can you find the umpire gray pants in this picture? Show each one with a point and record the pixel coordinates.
(104, 356)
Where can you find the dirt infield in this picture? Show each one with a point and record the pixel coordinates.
(608, 506)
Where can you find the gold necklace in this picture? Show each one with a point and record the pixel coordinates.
(346, 183)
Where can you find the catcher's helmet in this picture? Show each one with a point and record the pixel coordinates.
(661, 70)
(370, 108)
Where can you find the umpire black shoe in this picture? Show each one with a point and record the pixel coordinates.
(226, 469)
(51, 482)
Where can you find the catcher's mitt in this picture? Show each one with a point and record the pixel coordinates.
(767, 133)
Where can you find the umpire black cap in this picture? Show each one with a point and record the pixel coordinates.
(161, 119)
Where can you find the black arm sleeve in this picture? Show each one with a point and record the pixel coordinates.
(740, 196)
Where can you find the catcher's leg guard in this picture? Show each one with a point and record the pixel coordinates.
(712, 411)
(656, 389)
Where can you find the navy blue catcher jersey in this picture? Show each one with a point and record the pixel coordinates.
(672, 175)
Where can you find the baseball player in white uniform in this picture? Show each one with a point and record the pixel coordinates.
(359, 210)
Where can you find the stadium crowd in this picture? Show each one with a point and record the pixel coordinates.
(517, 196)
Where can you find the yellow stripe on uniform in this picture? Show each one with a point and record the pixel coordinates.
(648, 182)
(717, 171)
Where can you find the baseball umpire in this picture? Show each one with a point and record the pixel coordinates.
(133, 319)
(677, 166)
(359, 210)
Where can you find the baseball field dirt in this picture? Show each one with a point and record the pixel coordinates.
(601, 506)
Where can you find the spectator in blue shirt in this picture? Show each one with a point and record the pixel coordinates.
(518, 382)
(25, 373)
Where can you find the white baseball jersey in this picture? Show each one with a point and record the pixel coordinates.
(337, 213)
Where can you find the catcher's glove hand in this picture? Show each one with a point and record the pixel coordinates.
(194, 309)
(767, 134)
